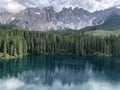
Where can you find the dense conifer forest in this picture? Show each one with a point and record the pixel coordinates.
(17, 42)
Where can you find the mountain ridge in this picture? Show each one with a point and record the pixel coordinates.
(47, 18)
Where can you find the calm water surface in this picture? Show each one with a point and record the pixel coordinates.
(56, 72)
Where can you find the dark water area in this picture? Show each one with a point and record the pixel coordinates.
(60, 72)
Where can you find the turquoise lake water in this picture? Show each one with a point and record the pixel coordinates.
(60, 72)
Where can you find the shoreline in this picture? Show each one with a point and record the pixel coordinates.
(7, 56)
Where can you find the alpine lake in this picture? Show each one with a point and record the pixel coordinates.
(60, 72)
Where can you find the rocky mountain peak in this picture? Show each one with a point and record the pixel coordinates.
(47, 18)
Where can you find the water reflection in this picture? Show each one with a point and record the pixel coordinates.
(54, 72)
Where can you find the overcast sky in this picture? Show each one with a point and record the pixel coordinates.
(90, 5)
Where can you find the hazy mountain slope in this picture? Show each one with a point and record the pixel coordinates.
(111, 23)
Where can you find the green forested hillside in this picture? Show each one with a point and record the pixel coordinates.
(18, 42)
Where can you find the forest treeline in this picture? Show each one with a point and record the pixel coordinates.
(23, 42)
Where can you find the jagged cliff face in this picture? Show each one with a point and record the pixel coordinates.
(6, 18)
(47, 18)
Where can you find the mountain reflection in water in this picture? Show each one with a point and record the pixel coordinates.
(57, 72)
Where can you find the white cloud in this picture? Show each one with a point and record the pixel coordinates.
(90, 5)
(10, 6)
(13, 7)
(104, 4)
